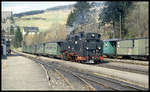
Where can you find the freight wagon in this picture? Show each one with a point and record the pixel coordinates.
(51, 49)
(131, 48)
(109, 47)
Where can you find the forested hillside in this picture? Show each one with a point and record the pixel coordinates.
(65, 7)
(84, 16)
(121, 20)
(28, 13)
(35, 12)
(134, 25)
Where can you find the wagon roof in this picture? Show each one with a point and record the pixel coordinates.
(134, 39)
(111, 40)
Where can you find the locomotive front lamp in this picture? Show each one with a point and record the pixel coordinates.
(87, 48)
(99, 48)
(93, 35)
(76, 42)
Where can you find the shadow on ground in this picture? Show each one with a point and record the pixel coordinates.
(3, 57)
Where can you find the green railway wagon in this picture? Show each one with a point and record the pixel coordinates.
(25, 49)
(141, 47)
(133, 47)
(52, 49)
(33, 49)
(29, 49)
(40, 49)
(36, 49)
(109, 47)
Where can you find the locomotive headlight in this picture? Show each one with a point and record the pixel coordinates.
(76, 42)
(87, 48)
(99, 48)
(93, 35)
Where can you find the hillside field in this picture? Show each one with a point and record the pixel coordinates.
(50, 18)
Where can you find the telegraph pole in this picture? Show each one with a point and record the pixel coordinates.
(120, 26)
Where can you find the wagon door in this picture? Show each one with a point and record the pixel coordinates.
(142, 45)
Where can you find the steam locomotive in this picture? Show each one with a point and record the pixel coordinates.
(82, 47)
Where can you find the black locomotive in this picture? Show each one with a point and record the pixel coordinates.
(82, 47)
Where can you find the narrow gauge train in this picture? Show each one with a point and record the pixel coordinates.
(81, 47)
(132, 48)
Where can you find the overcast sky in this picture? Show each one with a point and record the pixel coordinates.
(17, 7)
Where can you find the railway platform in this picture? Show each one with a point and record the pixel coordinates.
(19, 73)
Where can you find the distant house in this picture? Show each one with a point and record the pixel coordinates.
(6, 14)
(30, 30)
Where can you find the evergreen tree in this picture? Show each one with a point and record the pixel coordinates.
(12, 19)
(113, 11)
(70, 19)
(18, 38)
(79, 13)
(11, 30)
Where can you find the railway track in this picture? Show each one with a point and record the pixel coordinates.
(90, 81)
(127, 61)
(58, 74)
(83, 84)
(108, 83)
(122, 68)
(125, 69)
